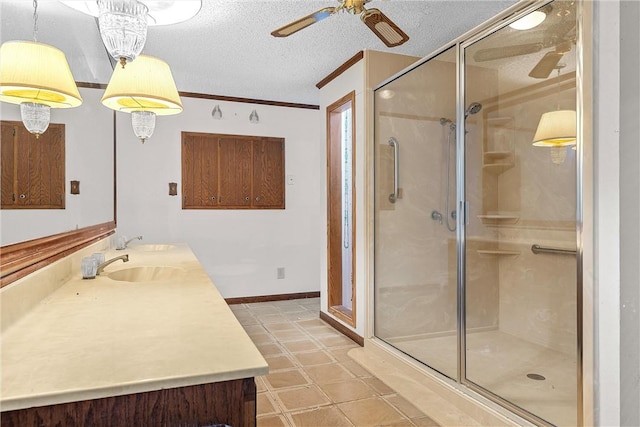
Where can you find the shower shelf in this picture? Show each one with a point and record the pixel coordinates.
(495, 219)
(497, 252)
(498, 161)
(495, 156)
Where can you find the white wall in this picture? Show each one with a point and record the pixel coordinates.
(629, 214)
(88, 159)
(606, 199)
(239, 249)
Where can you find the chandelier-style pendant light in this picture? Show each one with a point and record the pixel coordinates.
(37, 77)
(123, 23)
(145, 89)
(123, 28)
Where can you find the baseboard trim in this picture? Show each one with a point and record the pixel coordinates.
(342, 328)
(267, 298)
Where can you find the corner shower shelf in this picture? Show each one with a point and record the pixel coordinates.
(497, 162)
(496, 219)
(497, 252)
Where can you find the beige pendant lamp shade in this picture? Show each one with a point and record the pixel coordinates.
(145, 84)
(36, 73)
(145, 88)
(556, 129)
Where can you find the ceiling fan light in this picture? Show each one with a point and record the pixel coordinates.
(529, 21)
(123, 28)
(35, 117)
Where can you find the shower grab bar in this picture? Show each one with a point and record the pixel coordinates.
(396, 168)
(537, 249)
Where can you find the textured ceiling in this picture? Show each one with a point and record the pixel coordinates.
(227, 48)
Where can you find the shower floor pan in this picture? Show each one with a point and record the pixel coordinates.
(503, 364)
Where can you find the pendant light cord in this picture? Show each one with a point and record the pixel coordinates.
(35, 20)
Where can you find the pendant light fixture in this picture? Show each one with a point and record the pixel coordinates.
(123, 23)
(556, 130)
(145, 89)
(37, 77)
(123, 28)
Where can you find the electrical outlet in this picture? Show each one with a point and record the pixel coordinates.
(280, 272)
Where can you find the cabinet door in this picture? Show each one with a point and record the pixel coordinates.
(32, 168)
(268, 173)
(7, 159)
(41, 168)
(235, 171)
(199, 171)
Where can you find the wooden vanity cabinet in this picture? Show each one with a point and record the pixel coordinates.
(228, 402)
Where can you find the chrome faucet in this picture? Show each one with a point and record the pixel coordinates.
(123, 245)
(124, 258)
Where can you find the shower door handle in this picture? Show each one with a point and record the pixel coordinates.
(396, 168)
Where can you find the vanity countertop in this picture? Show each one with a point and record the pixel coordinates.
(102, 337)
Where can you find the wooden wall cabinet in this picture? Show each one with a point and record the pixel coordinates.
(32, 168)
(232, 172)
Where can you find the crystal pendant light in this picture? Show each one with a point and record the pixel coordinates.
(558, 154)
(123, 28)
(143, 123)
(145, 89)
(556, 130)
(35, 117)
(37, 77)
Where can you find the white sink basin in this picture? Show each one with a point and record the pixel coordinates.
(151, 248)
(146, 274)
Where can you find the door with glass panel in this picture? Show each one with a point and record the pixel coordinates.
(520, 314)
(415, 213)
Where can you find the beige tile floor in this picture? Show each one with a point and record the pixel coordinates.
(312, 381)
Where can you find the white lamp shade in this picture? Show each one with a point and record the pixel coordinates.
(145, 84)
(556, 128)
(38, 73)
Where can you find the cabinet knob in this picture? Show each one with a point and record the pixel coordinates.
(246, 198)
(213, 197)
(23, 196)
(258, 199)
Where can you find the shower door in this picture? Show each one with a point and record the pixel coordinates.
(415, 216)
(520, 235)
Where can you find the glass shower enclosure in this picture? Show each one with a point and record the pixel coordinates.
(476, 274)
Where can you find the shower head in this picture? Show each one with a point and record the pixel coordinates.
(473, 108)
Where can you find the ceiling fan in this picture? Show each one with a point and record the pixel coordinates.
(390, 34)
(560, 36)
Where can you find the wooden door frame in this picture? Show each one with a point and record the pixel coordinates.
(334, 291)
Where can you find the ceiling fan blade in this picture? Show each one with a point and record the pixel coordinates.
(384, 28)
(302, 23)
(494, 53)
(548, 63)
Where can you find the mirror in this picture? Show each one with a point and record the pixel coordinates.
(89, 159)
(32, 239)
